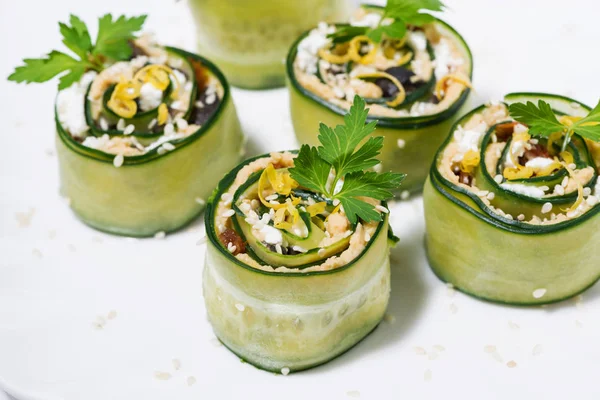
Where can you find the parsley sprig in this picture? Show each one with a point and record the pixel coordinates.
(402, 12)
(342, 153)
(542, 121)
(112, 44)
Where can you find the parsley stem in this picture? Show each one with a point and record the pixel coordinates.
(566, 141)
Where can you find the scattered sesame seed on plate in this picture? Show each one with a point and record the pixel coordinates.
(490, 348)
(160, 235)
(539, 293)
(24, 218)
(439, 347)
(163, 376)
(427, 375)
(420, 351)
(285, 371)
(190, 380)
(511, 364)
(176, 364)
(112, 314)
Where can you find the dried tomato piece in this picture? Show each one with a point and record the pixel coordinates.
(230, 236)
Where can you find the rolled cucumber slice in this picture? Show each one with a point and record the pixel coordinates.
(156, 191)
(512, 260)
(410, 143)
(296, 318)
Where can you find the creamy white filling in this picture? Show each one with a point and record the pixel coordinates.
(539, 163)
(370, 20)
(417, 40)
(309, 46)
(444, 61)
(530, 191)
(150, 97)
(517, 149)
(271, 235)
(69, 105)
(468, 140)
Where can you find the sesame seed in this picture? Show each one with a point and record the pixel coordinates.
(491, 196)
(160, 235)
(520, 217)
(121, 124)
(572, 166)
(546, 208)
(278, 248)
(190, 380)
(511, 364)
(336, 202)
(152, 123)
(103, 124)
(382, 209)
(490, 348)
(321, 252)
(129, 129)
(565, 181)
(161, 150)
(537, 350)
(427, 375)
(271, 197)
(404, 195)
(112, 314)
(240, 307)
(401, 143)
(182, 124)
(227, 197)
(118, 160)
(499, 178)
(210, 99)
(508, 216)
(539, 293)
(163, 376)
(367, 236)
(420, 351)
(169, 129)
(587, 191)
(231, 247)
(339, 93)
(168, 146)
(199, 104)
(176, 364)
(228, 213)
(559, 190)
(299, 249)
(482, 193)
(285, 370)
(200, 201)
(201, 241)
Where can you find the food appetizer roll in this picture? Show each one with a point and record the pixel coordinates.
(249, 39)
(413, 70)
(144, 132)
(511, 204)
(297, 265)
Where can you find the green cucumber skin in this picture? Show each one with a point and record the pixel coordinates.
(222, 26)
(151, 193)
(296, 321)
(140, 200)
(485, 261)
(500, 261)
(422, 135)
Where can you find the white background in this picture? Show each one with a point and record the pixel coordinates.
(57, 275)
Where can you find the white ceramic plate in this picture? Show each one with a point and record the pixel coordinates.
(58, 276)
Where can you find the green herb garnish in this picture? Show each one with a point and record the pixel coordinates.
(403, 13)
(342, 153)
(542, 121)
(112, 44)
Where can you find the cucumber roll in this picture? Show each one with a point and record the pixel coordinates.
(143, 131)
(412, 69)
(297, 266)
(512, 201)
(249, 39)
